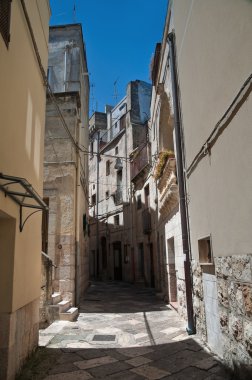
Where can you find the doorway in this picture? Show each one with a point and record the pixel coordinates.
(104, 252)
(7, 244)
(117, 249)
(141, 260)
(172, 273)
(152, 272)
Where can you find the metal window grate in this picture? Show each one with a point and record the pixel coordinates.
(5, 10)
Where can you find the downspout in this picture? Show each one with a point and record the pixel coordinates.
(97, 207)
(65, 68)
(182, 184)
(77, 198)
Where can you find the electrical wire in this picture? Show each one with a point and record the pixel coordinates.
(46, 84)
(214, 134)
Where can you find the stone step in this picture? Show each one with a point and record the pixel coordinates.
(56, 298)
(69, 315)
(63, 306)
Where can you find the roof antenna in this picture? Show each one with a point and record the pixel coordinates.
(92, 97)
(74, 13)
(115, 96)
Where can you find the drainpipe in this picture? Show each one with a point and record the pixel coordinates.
(97, 207)
(65, 68)
(182, 184)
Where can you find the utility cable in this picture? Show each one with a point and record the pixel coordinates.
(46, 83)
(204, 150)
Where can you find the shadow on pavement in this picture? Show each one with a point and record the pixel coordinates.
(173, 361)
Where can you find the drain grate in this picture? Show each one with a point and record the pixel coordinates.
(104, 338)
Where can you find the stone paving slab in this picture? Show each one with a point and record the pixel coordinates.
(149, 342)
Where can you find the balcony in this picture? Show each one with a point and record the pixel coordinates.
(140, 163)
(146, 221)
(118, 197)
(168, 188)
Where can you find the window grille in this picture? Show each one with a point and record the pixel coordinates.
(5, 10)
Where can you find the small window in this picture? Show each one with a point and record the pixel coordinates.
(116, 220)
(147, 196)
(93, 200)
(116, 150)
(92, 148)
(205, 250)
(5, 12)
(107, 167)
(107, 194)
(139, 202)
(123, 122)
(93, 186)
(49, 74)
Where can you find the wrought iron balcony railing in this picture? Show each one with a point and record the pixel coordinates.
(140, 162)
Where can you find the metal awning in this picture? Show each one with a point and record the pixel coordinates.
(22, 193)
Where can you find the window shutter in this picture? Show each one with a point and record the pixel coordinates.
(5, 10)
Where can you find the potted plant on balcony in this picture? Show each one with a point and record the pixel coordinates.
(163, 157)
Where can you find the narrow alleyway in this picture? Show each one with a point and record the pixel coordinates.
(122, 332)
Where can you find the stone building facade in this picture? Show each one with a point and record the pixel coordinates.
(113, 136)
(164, 182)
(23, 63)
(66, 163)
(213, 67)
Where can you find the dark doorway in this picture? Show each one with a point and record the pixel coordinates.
(117, 261)
(104, 252)
(152, 272)
(141, 259)
(45, 221)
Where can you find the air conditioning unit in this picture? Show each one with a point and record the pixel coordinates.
(118, 164)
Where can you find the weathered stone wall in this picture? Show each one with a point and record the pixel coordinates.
(18, 338)
(234, 284)
(46, 290)
(198, 301)
(181, 297)
(234, 292)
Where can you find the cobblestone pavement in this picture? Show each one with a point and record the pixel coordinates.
(122, 332)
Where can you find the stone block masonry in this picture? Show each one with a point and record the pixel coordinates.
(234, 284)
(233, 277)
(198, 301)
(18, 338)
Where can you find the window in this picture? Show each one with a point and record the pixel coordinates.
(93, 186)
(139, 202)
(116, 220)
(5, 11)
(107, 194)
(123, 122)
(205, 250)
(116, 150)
(119, 179)
(147, 196)
(93, 201)
(92, 148)
(107, 167)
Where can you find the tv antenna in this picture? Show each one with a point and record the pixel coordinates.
(115, 96)
(92, 97)
(74, 13)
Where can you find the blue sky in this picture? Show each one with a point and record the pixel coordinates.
(120, 38)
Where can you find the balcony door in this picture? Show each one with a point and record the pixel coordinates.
(147, 196)
(117, 250)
